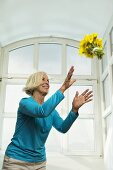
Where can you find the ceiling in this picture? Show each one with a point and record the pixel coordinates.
(21, 19)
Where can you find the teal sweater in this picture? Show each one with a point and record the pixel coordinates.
(34, 122)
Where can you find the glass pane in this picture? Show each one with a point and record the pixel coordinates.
(21, 60)
(106, 92)
(88, 107)
(82, 64)
(50, 58)
(13, 95)
(53, 143)
(81, 135)
(8, 131)
(104, 59)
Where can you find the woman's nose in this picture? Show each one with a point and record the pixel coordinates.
(47, 82)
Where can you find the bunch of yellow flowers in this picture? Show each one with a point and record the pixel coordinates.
(91, 46)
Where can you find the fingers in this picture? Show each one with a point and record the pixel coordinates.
(72, 81)
(77, 93)
(88, 95)
(71, 69)
(88, 100)
(70, 73)
(85, 92)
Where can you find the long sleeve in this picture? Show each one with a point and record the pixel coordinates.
(64, 125)
(31, 108)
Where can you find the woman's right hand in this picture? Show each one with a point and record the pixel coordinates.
(68, 81)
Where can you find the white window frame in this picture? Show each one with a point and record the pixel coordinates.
(84, 80)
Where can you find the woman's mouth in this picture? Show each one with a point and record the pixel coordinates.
(45, 86)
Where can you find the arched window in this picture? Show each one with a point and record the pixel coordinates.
(54, 56)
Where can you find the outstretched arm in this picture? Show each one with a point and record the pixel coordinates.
(64, 125)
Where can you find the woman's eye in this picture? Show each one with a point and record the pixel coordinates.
(45, 79)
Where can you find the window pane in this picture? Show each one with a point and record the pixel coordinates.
(104, 59)
(53, 143)
(85, 109)
(50, 58)
(21, 60)
(82, 64)
(8, 131)
(106, 92)
(13, 95)
(81, 135)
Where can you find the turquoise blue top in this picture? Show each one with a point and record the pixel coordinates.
(34, 122)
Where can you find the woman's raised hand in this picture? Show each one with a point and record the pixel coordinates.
(80, 100)
(68, 81)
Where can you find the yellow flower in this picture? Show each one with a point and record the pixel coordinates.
(99, 42)
(95, 35)
(89, 43)
(81, 51)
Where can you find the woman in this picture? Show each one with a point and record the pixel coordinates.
(35, 120)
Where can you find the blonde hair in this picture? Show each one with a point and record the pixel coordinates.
(33, 81)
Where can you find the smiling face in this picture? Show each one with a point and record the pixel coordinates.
(37, 82)
(43, 88)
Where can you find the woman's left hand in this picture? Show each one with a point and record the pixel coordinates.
(80, 100)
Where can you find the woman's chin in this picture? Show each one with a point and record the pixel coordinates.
(45, 93)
